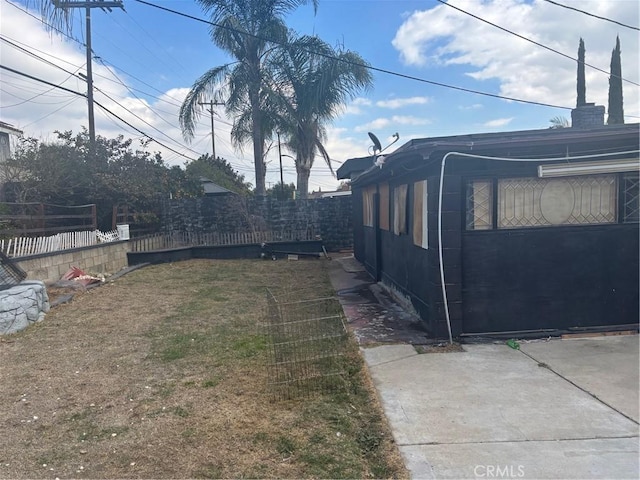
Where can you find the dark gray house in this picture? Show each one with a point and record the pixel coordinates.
(528, 231)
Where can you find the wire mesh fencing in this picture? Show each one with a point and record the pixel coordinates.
(307, 342)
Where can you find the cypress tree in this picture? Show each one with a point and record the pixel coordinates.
(616, 113)
(582, 89)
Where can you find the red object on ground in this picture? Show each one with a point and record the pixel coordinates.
(77, 275)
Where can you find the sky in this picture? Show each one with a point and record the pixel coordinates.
(146, 59)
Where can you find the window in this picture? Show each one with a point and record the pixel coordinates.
(541, 202)
(530, 202)
(367, 206)
(630, 192)
(383, 188)
(400, 209)
(480, 205)
(420, 237)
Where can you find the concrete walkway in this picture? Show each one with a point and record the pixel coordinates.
(553, 409)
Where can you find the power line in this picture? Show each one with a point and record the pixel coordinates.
(362, 65)
(532, 41)
(593, 15)
(141, 119)
(88, 5)
(154, 39)
(98, 89)
(52, 27)
(31, 77)
(51, 113)
(390, 72)
(102, 61)
(22, 49)
(31, 100)
(211, 104)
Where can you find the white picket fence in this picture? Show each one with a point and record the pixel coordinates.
(23, 246)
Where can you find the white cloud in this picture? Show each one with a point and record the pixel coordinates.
(394, 121)
(475, 106)
(355, 106)
(396, 103)
(443, 37)
(39, 109)
(498, 122)
(361, 101)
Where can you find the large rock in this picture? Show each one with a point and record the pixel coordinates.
(22, 305)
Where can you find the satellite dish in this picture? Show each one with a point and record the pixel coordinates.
(376, 143)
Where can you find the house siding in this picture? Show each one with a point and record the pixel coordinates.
(410, 271)
(558, 277)
(550, 278)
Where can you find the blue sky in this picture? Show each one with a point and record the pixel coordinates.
(148, 59)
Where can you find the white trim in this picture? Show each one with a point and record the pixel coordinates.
(588, 168)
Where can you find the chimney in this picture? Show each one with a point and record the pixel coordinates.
(588, 115)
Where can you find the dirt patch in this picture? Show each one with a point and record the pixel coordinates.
(160, 374)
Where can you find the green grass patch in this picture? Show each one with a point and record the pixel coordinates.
(211, 382)
(286, 445)
(210, 470)
(206, 361)
(249, 346)
(180, 412)
(178, 346)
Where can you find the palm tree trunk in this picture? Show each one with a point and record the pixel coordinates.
(303, 181)
(258, 149)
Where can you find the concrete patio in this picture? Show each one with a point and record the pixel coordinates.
(556, 409)
(552, 409)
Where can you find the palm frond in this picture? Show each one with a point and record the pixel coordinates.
(201, 91)
(54, 18)
(310, 83)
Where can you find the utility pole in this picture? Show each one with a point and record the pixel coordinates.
(213, 140)
(280, 156)
(88, 6)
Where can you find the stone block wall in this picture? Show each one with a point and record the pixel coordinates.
(330, 218)
(102, 258)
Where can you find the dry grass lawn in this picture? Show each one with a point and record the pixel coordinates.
(161, 375)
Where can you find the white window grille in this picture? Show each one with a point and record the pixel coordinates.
(631, 205)
(531, 202)
(479, 205)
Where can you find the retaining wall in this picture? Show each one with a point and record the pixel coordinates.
(311, 248)
(49, 267)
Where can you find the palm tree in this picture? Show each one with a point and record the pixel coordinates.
(559, 122)
(311, 81)
(248, 30)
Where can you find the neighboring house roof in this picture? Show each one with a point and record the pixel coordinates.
(548, 142)
(354, 167)
(212, 188)
(337, 193)
(331, 194)
(9, 129)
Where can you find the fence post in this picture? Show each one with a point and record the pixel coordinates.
(94, 217)
(41, 220)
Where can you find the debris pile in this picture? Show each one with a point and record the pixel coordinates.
(74, 274)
